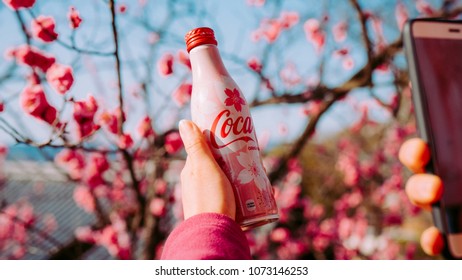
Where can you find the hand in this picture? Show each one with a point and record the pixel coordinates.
(422, 189)
(205, 188)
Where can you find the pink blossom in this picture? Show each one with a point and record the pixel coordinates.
(34, 102)
(315, 34)
(3, 150)
(160, 186)
(18, 4)
(345, 227)
(424, 8)
(26, 214)
(157, 207)
(258, 3)
(254, 64)
(182, 94)
(60, 78)
(165, 64)
(312, 108)
(84, 234)
(125, 141)
(74, 18)
(317, 211)
(111, 120)
(320, 243)
(84, 198)
(122, 8)
(340, 31)
(2, 106)
(270, 29)
(145, 128)
(183, 58)
(84, 112)
(280, 235)
(43, 27)
(32, 57)
(173, 143)
(94, 170)
(289, 19)
(99, 162)
(73, 161)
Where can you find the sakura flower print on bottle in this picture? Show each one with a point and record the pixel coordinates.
(219, 108)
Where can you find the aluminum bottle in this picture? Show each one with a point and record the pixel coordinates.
(219, 108)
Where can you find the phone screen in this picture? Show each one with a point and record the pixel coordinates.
(440, 70)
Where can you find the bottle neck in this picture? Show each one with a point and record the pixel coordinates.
(206, 62)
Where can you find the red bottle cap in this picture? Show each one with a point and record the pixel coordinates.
(199, 36)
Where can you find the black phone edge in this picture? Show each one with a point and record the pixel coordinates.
(422, 128)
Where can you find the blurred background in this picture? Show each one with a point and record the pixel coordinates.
(91, 93)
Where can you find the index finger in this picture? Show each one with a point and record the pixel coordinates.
(414, 154)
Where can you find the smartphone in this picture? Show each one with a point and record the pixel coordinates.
(433, 49)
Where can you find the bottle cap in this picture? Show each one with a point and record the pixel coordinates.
(199, 36)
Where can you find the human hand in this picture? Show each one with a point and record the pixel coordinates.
(422, 189)
(205, 188)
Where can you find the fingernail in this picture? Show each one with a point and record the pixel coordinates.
(185, 128)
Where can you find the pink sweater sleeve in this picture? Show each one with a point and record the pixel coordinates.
(207, 236)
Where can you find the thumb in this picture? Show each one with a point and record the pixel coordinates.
(193, 140)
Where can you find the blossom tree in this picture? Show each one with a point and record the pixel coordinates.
(104, 84)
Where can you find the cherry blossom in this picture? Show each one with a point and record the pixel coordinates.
(182, 94)
(165, 64)
(271, 28)
(183, 58)
(157, 207)
(340, 31)
(84, 199)
(84, 112)
(125, 141)
(289, 19)
(34, 102)
(111, 120)
(74, 18)
(73, 161)
(33, 57)
(145, 127)
(84, 234)
(173, 143)
(234, 99)
(314, 33)
(43, 28)
(60, 78)
(257, 3)
(424, 8)
(122, 8)
(18, 4)
(254, 64)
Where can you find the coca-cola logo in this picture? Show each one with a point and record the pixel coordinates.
(224, 126)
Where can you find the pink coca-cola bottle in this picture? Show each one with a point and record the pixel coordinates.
(220, 110)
